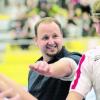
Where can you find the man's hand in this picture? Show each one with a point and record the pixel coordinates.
(41, 67)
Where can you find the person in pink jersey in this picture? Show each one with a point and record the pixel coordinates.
(88, 71)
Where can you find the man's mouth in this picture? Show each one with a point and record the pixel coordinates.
(51, 47)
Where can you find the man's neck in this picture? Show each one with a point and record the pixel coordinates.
(47, 58)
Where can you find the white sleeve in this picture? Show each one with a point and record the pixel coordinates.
(73, 67)
(83, 77)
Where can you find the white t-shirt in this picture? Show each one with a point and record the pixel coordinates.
(88, 74)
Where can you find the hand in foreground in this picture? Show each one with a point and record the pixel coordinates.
(9, 95)
(41, 67)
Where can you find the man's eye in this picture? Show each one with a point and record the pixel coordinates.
(45, 38)
(55, 36)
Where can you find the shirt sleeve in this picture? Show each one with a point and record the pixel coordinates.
(82, 80)
(73, 67)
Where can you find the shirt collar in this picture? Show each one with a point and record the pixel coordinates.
(57, 56)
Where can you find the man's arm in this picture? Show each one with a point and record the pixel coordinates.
(63, 67)
(7, 84)
(74, 96)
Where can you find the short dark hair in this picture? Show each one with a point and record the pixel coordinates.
(47, 20)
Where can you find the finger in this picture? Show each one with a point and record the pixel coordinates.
(35, 66)
(3, 86)
(31, 66)
(16, 97)
(7, 93)
(46, 68)
(41, 66)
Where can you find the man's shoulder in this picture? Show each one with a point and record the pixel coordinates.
(68, 53)
(75, 56)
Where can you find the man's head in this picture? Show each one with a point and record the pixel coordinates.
(47, 20)
(49, 36)
(96, 15)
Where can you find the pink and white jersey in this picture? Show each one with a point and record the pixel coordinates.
(88, 74)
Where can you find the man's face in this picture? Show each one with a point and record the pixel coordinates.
(97, 24)
(49, 38)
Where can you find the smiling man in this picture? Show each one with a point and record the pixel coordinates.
(51, 75)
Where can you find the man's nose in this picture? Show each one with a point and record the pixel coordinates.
(51, 41)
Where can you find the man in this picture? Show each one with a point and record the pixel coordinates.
(51, 75)
(88, 72)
